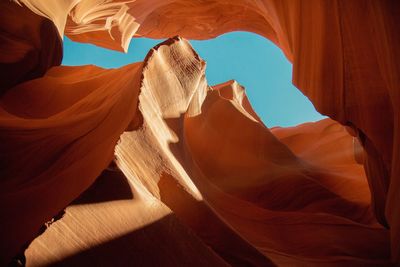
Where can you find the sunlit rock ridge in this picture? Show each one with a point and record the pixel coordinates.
(148, 165)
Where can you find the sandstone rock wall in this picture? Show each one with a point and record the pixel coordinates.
(58, 132)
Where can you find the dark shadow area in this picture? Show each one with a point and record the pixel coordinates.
(165, 242)
(110, 185)
(211, 229)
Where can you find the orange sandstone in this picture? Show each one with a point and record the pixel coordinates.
(234, 189)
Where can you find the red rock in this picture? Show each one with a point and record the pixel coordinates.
(29, 45)
(345, 59)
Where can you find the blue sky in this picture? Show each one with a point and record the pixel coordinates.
(250, 59)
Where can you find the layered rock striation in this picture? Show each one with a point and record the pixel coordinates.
(229, 191)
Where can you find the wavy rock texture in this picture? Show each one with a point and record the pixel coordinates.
(29, 45)
(227, 191)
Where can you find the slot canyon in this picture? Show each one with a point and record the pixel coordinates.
(149, 165)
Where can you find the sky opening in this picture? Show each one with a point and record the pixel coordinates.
(255, 62)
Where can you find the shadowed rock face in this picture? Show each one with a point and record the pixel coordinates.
(29, 45)
(195, 164)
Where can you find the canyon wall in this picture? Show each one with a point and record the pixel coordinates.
(234, 189)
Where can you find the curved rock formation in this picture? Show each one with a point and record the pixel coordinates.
(233, 189)
(58, 134)
(344, 56)
(29, 45)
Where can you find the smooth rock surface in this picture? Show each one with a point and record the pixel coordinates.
(295, 196)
